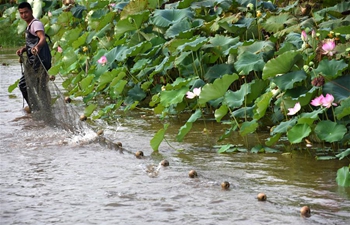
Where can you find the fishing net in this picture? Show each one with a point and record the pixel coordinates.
(48, 104)
(46, 101)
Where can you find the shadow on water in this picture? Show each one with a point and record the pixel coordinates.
(51, 175)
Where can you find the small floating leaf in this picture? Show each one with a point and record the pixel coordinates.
(343, 177)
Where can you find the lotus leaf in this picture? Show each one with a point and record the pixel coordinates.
(216, 89)
(343, 177)
(298, 132)
(330, 131)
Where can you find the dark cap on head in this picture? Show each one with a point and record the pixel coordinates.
(23, 5)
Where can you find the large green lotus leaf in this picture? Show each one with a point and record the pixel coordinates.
(330, 131)
(187, 127)
(247, 62)
(272, 140)
(121, 75)
(193, 44)
(288, 30)
(77, 11)
(236, 99)
(183, 29)
(69, 57)
(220, 112)
(166, 63)
(276, 23)
(69, 37)
(287, 81)
(283, 127)
(217, 89)
(339, 88)
(118, 88)
(256, 47)
(217, 71)
(133, 7)
(183, 56)
(166, 17)
(331, 68)
(140, 65)
(221, 43)
(80, 41)
(124, 26)
(138, 49)
(176, 29)
(84, 83)
(138, 19)
(53, 29)
(310, 117)
(89, 109)
(158, 138)
(343, 177)
(344, 109)
(136, 93)
(102, 33)
(280, 65)
(259, 87)
(262, 103)
(298, 133)
(332, 24)
(173, 44)
(99, 23)
(239, 27)
(244, 112)
(248, 127)
(64, 18)
(106, 78)
(172, 97)
(89, 92)
(118, 53)
(292, 38)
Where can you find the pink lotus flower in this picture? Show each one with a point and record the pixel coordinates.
(325, 101)
(304, 36)
(102, 60)
(294, 110)
(49, 14)
(328, 46)
(59, 49)
(196, 92)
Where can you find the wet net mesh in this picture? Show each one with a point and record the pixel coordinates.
(48, 104)
(46, 101)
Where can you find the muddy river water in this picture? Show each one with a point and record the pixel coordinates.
(50, 176)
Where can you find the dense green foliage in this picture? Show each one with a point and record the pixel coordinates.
(246, 63)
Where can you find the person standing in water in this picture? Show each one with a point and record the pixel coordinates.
(38, 52)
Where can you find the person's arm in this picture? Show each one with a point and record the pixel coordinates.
(42, 41)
